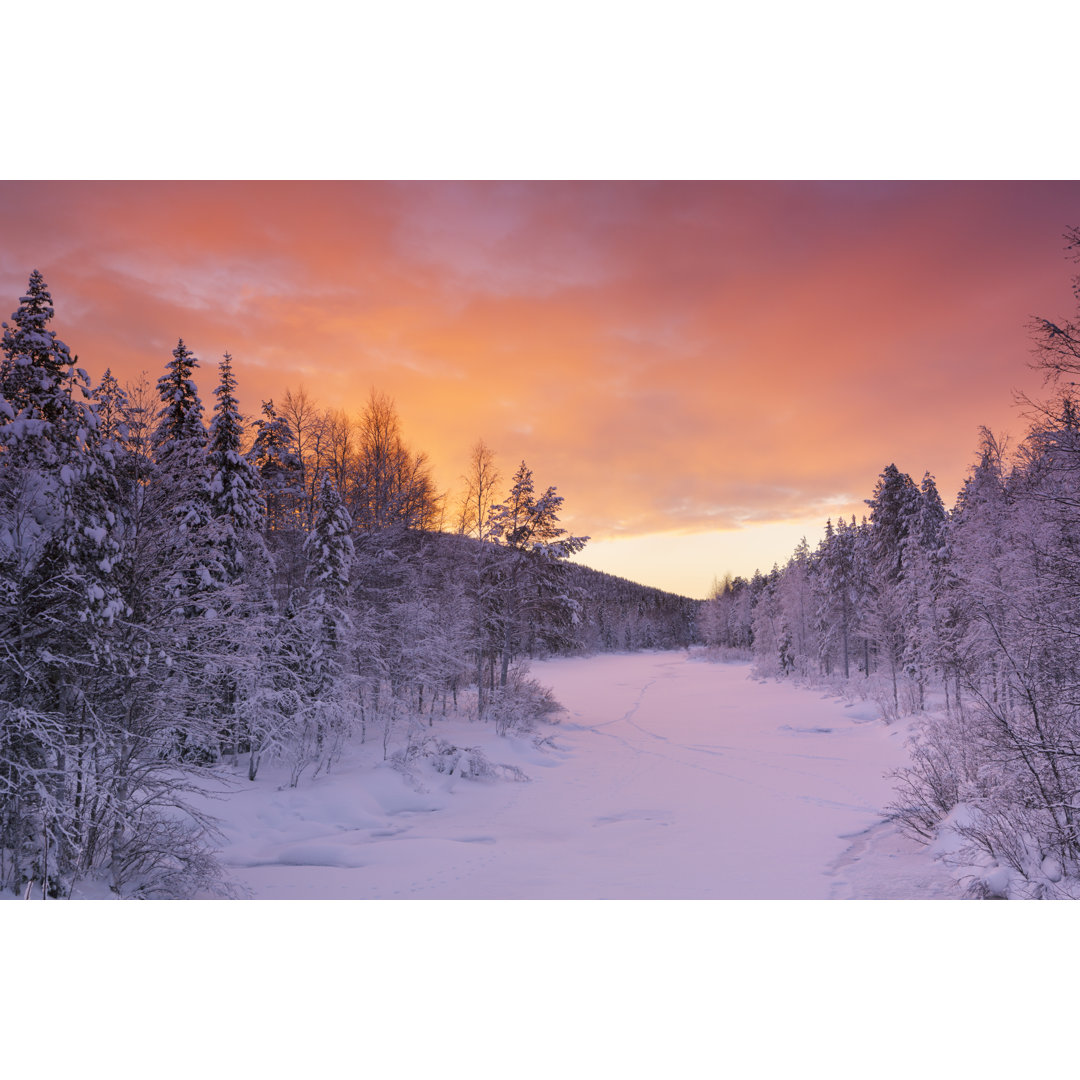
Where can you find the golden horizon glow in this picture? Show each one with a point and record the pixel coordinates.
(736, 551)
(717, 364)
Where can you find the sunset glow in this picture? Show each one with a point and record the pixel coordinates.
(705, 371)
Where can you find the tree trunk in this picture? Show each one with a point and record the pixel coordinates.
(505, 656)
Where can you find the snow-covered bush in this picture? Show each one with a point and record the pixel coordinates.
(879, 689)
(167, 858)
(944, 756)
(521, 703)
(997, 857)
(468, 762)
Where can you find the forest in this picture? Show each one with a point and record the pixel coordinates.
(967, 618)
(185, 595)
(180, 592)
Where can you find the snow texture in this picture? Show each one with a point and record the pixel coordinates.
(667, 778)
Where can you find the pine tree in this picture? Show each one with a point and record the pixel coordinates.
(275, 696)
(796, 593)
(36, 363)
(922, 586)
(844, 586)
(183, 484)
(894, 515)
(533, 602)
(111, 404)
(235, 495)
(276, 460)
(58, 595)
(275, 457)
(189, 574)
(180, 419)
(894, 512)
(329, 552)
(237, 510)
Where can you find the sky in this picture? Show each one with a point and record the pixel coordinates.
(706, 371)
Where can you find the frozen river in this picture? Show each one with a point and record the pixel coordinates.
(668, 777)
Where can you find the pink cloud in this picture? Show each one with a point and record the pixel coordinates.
(671, 355)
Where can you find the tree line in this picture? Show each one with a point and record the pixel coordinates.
(978, 606)
(180, 592)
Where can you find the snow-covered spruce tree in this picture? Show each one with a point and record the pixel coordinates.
(112, 406)
(1004, 762)
(236, 497)
(275, 457)
(894, 514)
(58, 598)
(923, 582)
(978, 535)
(156, 709)
(838, 595)
(325, 618)
(768, 624)
(530, 600)
(796, 590)
(181, 485)
(190, 560)
(238, 512)
(945, 753)
(274, 697)
(159, 713)
(36, 364)
(1005, 759)
(1023, 808)
(534, 603)
(277, 460)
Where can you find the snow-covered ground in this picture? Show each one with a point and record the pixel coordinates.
(667, 778)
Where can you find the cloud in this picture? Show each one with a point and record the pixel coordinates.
(672, 356)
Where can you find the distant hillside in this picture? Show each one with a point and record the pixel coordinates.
(622, 615)
(613, 614)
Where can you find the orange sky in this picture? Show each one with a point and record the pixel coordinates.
(705, 371)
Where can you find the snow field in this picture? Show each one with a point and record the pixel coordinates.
(667, 778)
